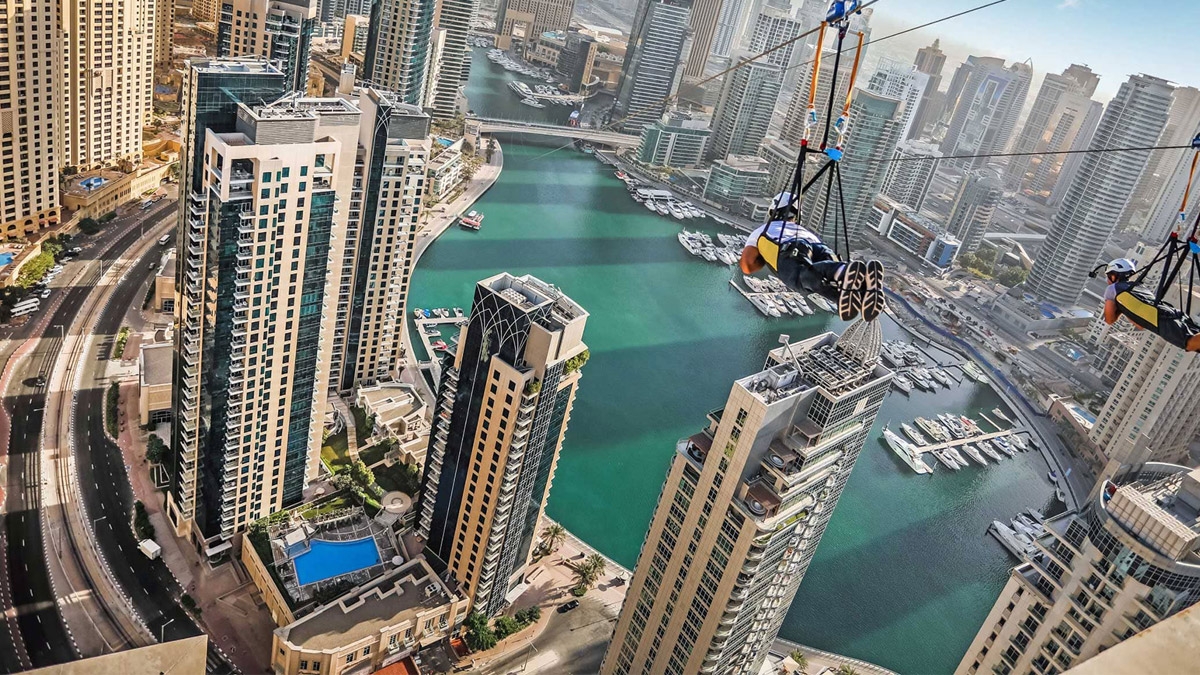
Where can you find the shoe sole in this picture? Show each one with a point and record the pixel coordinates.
(850, 295)
(873, 300)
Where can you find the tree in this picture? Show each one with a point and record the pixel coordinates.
(553, 535)
(479, 636)
(1011, 276)
(156, 450)
(845, 669)
(505, 626)
(800, 659)
(528, 615)
(362, 475)
(986, 255)
(489, 148)
(589, 571)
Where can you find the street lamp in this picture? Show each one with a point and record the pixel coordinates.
(526, 664)
(96, 521)
(162, 632)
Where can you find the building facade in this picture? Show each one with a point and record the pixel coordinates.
(451, 56)
(1125, 562)
(1047, 114)
(164, 34)
(677, 140)
(547, 16)
(904, 83)
(650, 72)
(259, 246)
(1100, 189)
(975, 202)
(735, 179)
(744, 109)
(385, 207)
(397, 57)
(910, 172)
(279, 31)
(500, 419)
(107, 87)
(1154, 205)
(744, 506)
(985, 110)
(930, 60)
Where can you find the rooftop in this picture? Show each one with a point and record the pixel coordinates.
(85, 184)
(157, 363)
(528, 292)
(245, 65)
(167, 267)
(1162, 512)
(405, 593)
(178, 657)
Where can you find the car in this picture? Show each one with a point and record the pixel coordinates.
(45, 294)
(77, 250)
(39, 381)
(567, 606)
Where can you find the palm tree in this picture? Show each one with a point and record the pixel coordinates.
(589, 571)
(553, 535)
(846, 670)
(801, 661)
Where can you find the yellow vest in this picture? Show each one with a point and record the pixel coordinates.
(769, 250)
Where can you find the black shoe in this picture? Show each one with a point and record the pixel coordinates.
(873, 300)
(850, 293)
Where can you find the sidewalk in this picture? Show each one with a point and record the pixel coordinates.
(351, 426)
(232, 613)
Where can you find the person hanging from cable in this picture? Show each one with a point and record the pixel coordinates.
(805, 263)
(1123, 298)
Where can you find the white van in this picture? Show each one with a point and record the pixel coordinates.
(29, 309)
(164, 240)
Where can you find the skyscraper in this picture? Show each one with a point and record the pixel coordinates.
(744, 110)
(206, 10)
(259, 248)
(453, 60)
(385, 206)
(677, 140)
(773, 27)
(974, 205)
(1154, 204)
(1056, 183)
(107, 68)
(875, 123)
(728, 31)
(1046, 114)
(548, 15)
(896, 80)
(279, 31)
(931, 60)
(908, 175)
(1073, 119)
(985, 112)
(702, 26)
(651, 67)
(164, 33)
(1098, 577)
(500, 418)
(1100, 189)
(397, 57)
(1153, 413)
(30, 140)
(744, 506)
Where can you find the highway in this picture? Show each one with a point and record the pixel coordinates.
(44, 637)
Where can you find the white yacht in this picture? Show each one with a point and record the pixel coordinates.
(987, 449)
(821, 303)
(662, 209)
(675, 212)
(974, 454)
(799, 298)
(1014, 543)
(935, 430)
(902, 383)
(953, 452)
(915, 435)
(945, 459)
(941, 376)
(533, 103)
(905, 451)
(760, 305)
(788, 300)
(708, 253)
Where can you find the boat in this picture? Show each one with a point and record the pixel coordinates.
(808, 311)
(953, 425)
(757, 301)
(418, 314)
(1002, 417)
(902, 383)
(945, 460)
(972, 371)
(941, 376)
(458, 312)
(953, 452)
(1009, 539)
(440, 346)
(790, 302)
(1058, 494)
(729, 240)
(820, 302)
(708, 253)
(935, 430)
(675, 212)
(915, 435)
(911, 356)
(974, 454)
(970, 426)
(428, 313)
(471, 221)
(923, 382)
(533, 103)
(621, 174)
(987, 449)
(662, 209)
(649, 204)
(1019, 442)
(1036, 515)
(1004, 445)
(904, 450)
(1053, 476)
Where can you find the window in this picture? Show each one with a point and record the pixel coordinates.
(350, 657)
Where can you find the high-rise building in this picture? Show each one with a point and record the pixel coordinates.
(702, 27)
(744, 110)
(384, 209)
(279, 31)
(930, 60)
(106, 95)
(896, 80)
(734, 179)
(548, 15)
(1056, 183)
(728, 31)
(773, 27)
(356, 34)
(986, 109)
(30, 141)
(910, 172)
(1047, 114)
(452, 58)
(975, 202)
(744, 506)
(207, 11)
(397, 57)
(1074, 116)
(1153, 413)
(874, 130)
(1154, 204)
(259, 249)
(1126, 561)
(500, 419)
(781, 165)
(1100, 189)
(164, 34)
(650, 72)
(677, 140)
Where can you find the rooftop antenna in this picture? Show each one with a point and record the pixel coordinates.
(786, 341)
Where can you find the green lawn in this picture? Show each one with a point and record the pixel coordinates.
(330, 505)
(336, 452)
(398, 477)
(372, 454)
(362, 426)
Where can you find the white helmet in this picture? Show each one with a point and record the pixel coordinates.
(1121, 266)
(781, 201)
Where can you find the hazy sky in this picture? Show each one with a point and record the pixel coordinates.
(1116, 38)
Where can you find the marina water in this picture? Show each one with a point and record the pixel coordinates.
(905, 573)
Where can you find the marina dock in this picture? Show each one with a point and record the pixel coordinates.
(970, 439)
(434, 362)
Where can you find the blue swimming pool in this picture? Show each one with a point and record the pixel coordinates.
(327, 559)
(5, 258)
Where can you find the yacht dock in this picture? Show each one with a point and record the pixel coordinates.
(971, 439)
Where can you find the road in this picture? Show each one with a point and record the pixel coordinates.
(573, 642)
(44, 637)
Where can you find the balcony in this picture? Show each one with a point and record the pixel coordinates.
(759, 498)
(696, 446)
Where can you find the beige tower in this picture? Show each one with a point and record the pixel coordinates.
(164, 34)
(260, 249)
(107, 83)
(1130, 559)
(744, 506)
(29, 110)
(278, 31)
(502, 411)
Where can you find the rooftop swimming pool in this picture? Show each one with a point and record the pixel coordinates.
(328, 559)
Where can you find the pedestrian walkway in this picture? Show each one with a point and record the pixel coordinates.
(351, 426)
